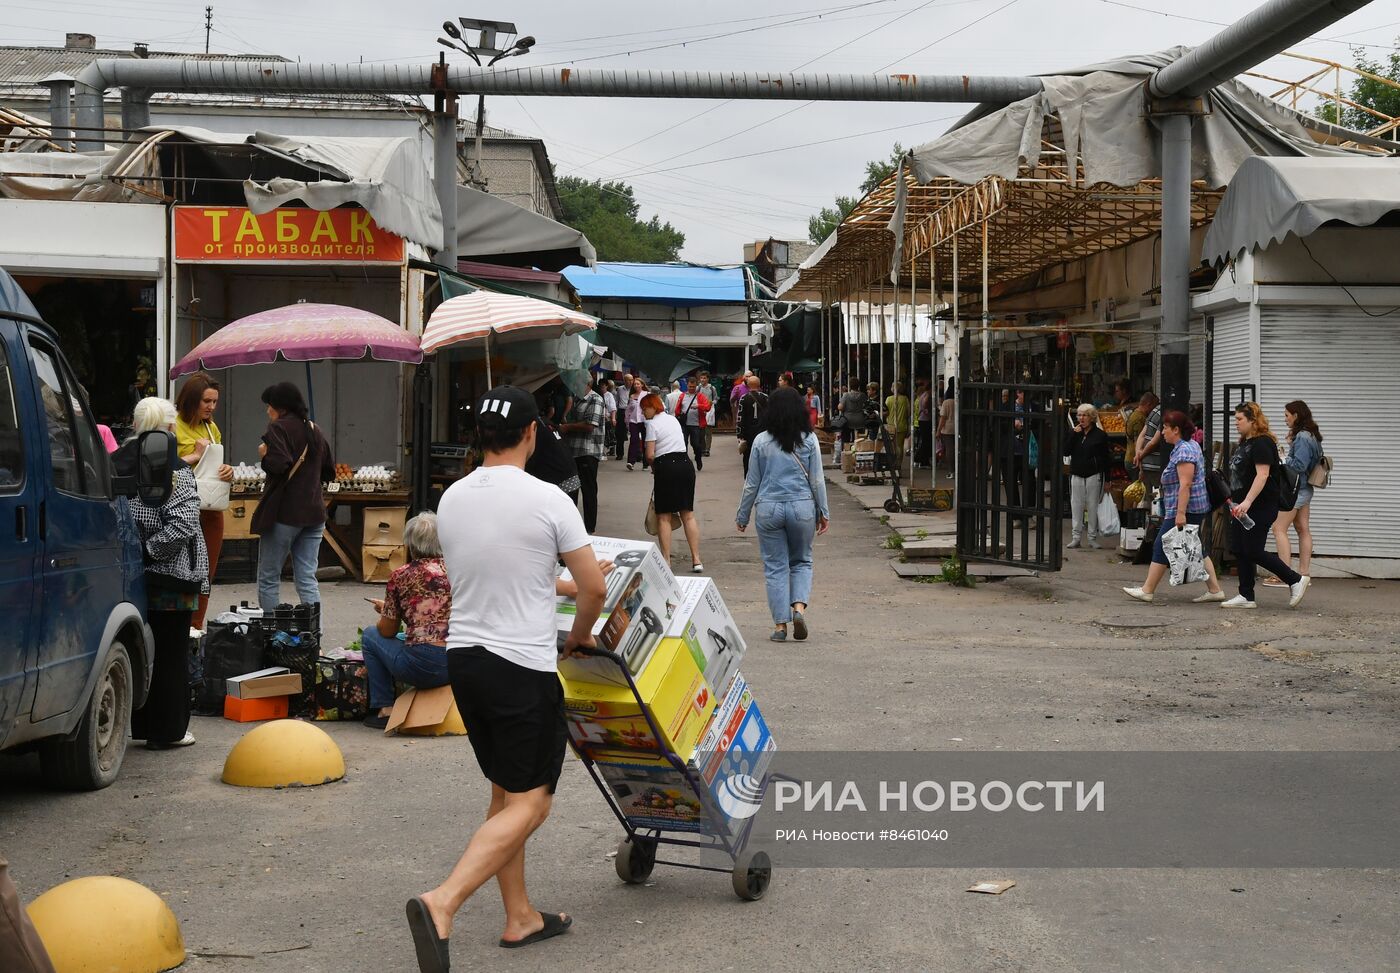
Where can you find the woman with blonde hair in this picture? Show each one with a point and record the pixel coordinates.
(1087, 450)
(177, 573)
(1254, 500)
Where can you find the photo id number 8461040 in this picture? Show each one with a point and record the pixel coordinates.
(916, 834)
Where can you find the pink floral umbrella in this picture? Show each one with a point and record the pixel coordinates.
(302, 332)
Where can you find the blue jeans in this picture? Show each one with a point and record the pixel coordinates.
(304, 544)
(785, 532)
(387, 659)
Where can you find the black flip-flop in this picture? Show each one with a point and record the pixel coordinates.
(553, 926)
(433, 956)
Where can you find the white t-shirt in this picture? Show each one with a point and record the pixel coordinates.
(609, 403)
(665, 431)
(502, 532)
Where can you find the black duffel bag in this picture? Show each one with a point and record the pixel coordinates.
(229, 649)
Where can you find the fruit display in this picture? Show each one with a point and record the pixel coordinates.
(1111, 422)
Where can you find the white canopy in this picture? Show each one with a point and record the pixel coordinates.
(1270, 198)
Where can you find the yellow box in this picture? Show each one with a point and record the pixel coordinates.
(603, 718)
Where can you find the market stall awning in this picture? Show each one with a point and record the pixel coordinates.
(1270, 198)
(674, 285)
(494, 229)
(302, 332)
(483, 314)
(659, 361)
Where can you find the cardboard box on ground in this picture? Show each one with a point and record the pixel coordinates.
(378, 562)
(276, 681)
(426, 712)
(733, 757)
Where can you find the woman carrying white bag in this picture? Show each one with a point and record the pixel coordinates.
(1187, 505)
(201, 446)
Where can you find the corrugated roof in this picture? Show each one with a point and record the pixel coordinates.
(676, 285)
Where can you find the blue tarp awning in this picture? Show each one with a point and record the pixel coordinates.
(675, 285)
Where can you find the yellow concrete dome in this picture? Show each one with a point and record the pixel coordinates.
(102, 924)
(284, 753)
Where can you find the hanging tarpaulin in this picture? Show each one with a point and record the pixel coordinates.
(659, 361)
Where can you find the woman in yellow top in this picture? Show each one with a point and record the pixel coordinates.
(195, 432)
(897, 417)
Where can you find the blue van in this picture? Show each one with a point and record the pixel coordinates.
(75, 649)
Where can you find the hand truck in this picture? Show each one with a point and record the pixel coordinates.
(752, 870)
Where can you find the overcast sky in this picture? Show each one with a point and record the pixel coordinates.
(671, 151)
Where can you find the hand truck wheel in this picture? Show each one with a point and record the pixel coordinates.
(636, 857)
(753, 870)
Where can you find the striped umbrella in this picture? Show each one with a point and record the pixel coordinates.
(484, 316)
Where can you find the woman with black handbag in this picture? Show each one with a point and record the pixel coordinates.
(1254, 506)
(177, 573)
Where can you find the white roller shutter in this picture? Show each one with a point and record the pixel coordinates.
(1346, 366)
(1234, 355)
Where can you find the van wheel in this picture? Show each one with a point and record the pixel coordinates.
(92, 758)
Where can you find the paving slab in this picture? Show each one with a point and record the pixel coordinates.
(928, 569)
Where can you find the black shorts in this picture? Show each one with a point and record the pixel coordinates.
(514, 718)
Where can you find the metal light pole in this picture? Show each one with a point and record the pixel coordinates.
(489, 32)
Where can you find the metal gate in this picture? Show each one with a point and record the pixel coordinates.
(1010, 475)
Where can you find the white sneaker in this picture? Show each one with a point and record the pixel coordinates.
(1209, 596)
(196, 633)
(1296, 591)
(1138, 594)
(1073, 543)
(1239, 601)
(1093, 543)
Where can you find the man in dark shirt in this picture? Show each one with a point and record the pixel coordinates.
(552, 462)
(751, 408)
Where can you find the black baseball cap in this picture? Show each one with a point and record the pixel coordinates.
(506, 407)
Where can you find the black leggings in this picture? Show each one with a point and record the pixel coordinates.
(166, 714)
(1248, 546)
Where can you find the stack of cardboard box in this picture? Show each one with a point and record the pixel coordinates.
(382, 551)
(682, 648)
(261, 695)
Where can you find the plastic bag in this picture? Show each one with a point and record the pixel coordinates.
(227, 650)
(1185, 556)
(1108, 515)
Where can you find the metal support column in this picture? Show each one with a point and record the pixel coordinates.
(445, 162)
(1176, 259)
(986, 314)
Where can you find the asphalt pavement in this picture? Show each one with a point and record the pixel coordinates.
(315, 879)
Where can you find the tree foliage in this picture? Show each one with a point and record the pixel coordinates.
(608, 214)
(1373, 94)
(820, 226)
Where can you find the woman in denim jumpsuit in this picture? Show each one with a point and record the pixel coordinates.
(785, 482)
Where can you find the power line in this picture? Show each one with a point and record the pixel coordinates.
(993, 13)
(1221, 23)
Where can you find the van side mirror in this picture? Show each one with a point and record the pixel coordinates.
(154, 475)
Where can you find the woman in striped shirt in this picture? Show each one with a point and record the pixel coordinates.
(1184, 495)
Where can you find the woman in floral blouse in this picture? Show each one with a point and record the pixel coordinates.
(418, 595)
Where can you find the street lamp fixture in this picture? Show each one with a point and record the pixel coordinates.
(496, 41)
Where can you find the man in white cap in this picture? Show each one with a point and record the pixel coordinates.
(502, 533)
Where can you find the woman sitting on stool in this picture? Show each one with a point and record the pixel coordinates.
(419, 595)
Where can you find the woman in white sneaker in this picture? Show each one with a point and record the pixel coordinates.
(1304, 453)
(1254, 494)
(1184, 495)
(1088, 468)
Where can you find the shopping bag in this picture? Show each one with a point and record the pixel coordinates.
(1185, 556)
(652, 523)
(229, 649)
(342, 689)
(1108, 515)
(213, 492)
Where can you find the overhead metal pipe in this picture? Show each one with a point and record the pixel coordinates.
(281, 77)
(1255, 37)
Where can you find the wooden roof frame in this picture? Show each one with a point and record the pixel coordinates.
(1041, 218)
